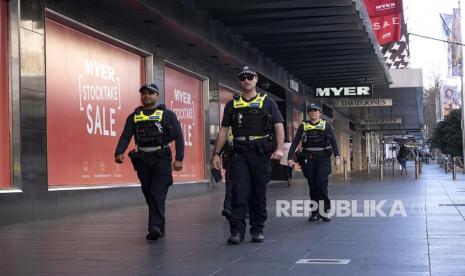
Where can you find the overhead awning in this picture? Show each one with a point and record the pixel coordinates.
(321, 42)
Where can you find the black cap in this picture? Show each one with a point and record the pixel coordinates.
(151, 87)
(247, 70)
(313, 106)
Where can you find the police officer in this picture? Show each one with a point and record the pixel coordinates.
(153, 127)
(253, 117)
(318, 144)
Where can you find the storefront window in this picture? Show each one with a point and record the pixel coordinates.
(183, 95)
(92, 86)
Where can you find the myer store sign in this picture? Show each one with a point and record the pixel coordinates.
(344, 92)
(380, 121)
(363, 102)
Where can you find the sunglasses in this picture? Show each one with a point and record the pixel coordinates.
(146, 91)
(248, 77)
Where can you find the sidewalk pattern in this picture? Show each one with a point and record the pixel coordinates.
(429, 241)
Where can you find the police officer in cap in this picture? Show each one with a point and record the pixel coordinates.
(153, 127)
(318, 144)
(253, 117)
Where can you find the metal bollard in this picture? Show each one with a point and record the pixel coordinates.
(454, 169)
(368, 165)
(344, 167)
(417, 168)
(381, 169)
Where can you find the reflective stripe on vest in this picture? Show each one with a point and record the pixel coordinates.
(256, 103)
(320, 126)
(155, 116)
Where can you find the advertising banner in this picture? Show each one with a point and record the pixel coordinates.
(450, 98)
(92, 87)
(386, 19)
(378, 8)
(4, 99)
(183, 95)
(387, 28)
(397, 53)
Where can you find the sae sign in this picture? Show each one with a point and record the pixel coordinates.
(344, 92)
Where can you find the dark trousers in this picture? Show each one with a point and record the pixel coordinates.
(249, 173)
(228, 187)
(317, 171)
(155, 176)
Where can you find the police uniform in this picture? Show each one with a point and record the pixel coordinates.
(252, 123)
(225, 156)
(318, 144)
(153, 130)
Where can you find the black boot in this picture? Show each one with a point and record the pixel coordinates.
(154, 234)
(258, 237)
(314, 217)
(236, 238)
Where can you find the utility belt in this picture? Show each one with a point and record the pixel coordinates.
(311, 153)
(250, 138)
(142, 153)
(259, 144)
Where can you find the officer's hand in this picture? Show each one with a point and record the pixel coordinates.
(119, 158)
(216, 162)
(278, 154)
(290, 163)
(177, 165)
(338, 161)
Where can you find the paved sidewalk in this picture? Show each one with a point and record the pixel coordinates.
(429, 241)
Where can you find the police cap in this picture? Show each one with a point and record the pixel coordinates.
(246, 70)
(313, 106)
(150, 87)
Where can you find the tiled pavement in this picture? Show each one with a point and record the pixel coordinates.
(430, 240)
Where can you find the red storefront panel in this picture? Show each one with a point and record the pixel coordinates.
(183, 95)
(4, 99)
(92, 87)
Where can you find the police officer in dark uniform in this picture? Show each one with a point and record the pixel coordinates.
(153, 127)
(318, 144)
(253, 117)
